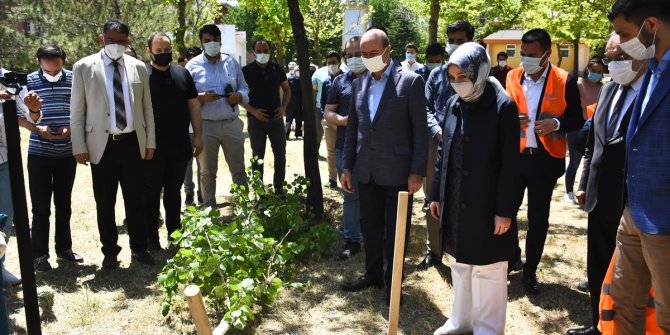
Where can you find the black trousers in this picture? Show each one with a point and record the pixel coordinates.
(539, 173)
(259, 133)
(164, 172)
(603, 223)
(47, 176)
(379, 205)
(294, 113)
(120, 164)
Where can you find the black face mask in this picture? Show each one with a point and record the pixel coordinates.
(163, 59)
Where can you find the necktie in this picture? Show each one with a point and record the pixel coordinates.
(614, 119)
(119, 101)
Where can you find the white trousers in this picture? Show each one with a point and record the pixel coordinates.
(480, 299)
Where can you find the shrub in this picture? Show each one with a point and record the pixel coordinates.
(242, 264)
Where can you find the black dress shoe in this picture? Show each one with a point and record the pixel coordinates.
(189, 199)
(110, 263)
(583, 286)
(143, 257)
(428, 261)
(42, 264)
(350, 249)
(584, 331)
(517, 266)
(69, 255)
(530, 284)
(362, 283)
(332, 183)
(426, 206)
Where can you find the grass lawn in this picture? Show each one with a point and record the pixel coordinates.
(85, 299)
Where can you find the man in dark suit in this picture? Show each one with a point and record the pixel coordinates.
(549, 107)
(601, 187)
(643, 239)
(386, 145)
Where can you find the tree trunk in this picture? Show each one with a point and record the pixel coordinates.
(560, 58)
(117, 10)
(575, 47)
(181, 29)
(432, 24)
(311, 154)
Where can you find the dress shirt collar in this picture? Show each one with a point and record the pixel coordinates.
(526, 76)
(659, 67)
(108, 60)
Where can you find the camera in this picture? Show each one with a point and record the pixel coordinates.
(14, 80)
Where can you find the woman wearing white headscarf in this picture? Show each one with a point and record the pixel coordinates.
(475, 173)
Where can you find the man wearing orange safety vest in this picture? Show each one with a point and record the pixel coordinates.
(549, 107)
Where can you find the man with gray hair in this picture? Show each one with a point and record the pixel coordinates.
(386, 145)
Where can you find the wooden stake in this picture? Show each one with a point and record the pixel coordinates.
(398, 262)
(197, 307)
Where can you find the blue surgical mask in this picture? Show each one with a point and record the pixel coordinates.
(410, 56)
(595, 77)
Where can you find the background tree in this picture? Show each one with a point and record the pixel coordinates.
(433, 21)
(404, 25)
(191, 15)
(311, 154)
(273, 23)
(487, 16)
(323, 20)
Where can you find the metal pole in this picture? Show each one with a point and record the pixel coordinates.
(21, 218)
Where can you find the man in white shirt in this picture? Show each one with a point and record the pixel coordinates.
(410, 62)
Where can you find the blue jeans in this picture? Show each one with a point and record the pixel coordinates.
(351, 216)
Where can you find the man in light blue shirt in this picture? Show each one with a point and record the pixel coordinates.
(221, 88)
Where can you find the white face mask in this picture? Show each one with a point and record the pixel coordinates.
(622, 72)
(431, 66)
(52, 79)
(502, 63)
(333, 69)
(451, 48)
(115, 51)
(355, 64)
(464, 89)
(531, 64)
(375, 64)
(263, 58)
(212, 48)
(637, 50)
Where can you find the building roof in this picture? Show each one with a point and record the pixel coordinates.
(505, 35)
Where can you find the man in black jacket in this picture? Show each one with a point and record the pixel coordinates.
(605, 161)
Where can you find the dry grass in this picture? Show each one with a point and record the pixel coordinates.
(84, 299)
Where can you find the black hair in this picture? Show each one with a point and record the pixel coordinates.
(349, 41)
(181, 59)
(335, 54)
(593, 62)
(262, 40)
(411, 46)
(502, 54)
(435, 49)
(385, 38)
(537, 35)
(462, 25)
(153, 35)
(637, 11)
(211, 29)
(116, 26)
(50, 51)
(192, 52)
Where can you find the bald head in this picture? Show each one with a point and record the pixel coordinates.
(613, 52)
(377, 36)
(613, 44)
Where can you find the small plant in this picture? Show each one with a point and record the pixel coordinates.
(242, 264)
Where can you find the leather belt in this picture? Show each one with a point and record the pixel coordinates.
(530, 151)
(123, 136)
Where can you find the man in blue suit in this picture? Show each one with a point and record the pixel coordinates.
(386, 145)
(643, 238)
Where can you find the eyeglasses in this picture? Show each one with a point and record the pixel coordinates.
(621, 57)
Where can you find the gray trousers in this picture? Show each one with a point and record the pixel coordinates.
(228, 135)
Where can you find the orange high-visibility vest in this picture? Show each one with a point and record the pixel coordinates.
(553, 106)
(607, 308)
(590, 110)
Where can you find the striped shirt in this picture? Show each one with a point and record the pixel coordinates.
(55, 113)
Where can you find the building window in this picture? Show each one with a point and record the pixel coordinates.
(511, 50)
(564, 51)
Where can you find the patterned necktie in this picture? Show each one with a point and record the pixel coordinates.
(119, 101)
(614, 119)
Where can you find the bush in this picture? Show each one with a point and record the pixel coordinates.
(242, 264)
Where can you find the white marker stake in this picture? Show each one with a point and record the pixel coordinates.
(197, 307)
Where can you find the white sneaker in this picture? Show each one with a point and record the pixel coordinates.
(10, 279)
(570, 197)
